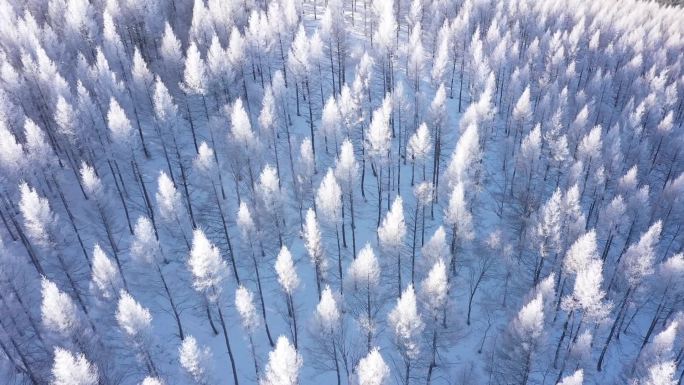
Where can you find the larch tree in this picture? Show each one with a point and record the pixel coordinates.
(194, 359)
(372, 369)
(146, 251)
(271, 202)
(434, 291)
(251, 236)
(391, 236)
(331, 122)
(418, 149)
(106, 281)
(289, 281)
(314, 247)
(548, 231)
(328, 332)
(242, 135)
(300, 61)
(135, 323)
(244, 303)
(70, 369)
(363, 281)
(270, 125)
(96, 191)
(458, 217)
(407, 327)
(415, 57)
(521, 340)
(194, 83)
(42, 228)
(576, 378)
(346, 171)
(378, 143)
(284, 364)
(58, 311)
(329, 205)
(151, 381)
(170, 205)
(209, 272)
(637, 264)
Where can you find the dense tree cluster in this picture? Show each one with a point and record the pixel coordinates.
(365, 192)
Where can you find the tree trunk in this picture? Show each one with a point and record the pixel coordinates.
(174, 309)
(230, 351)
(612, 330)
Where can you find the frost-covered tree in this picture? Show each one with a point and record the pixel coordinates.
(391, 235)
(407, 327)
(170, 204)
(519, 344)
(328, 330)
(576, 378)
(548, 231)
(271, 201)
(70, 369)
(244, 303)
(58, 311)
(314, 247)
(458, 217)
(434, 291)
(250, 234)
(372, 369)
(135, 323)
(418, 149)
(637, 265)
(195, 81)
(331, 122)
(289, 281)
(194, 359)
(151, 381)
(146, 250)
(363, 280)
(41, 226)
(242, 135)
(284, 364)
(346, 171)
(106, 281)
(329, 205)
(209, 271)
(95, 191)
(378, 145)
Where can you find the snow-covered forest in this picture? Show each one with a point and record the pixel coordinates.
(362, 192)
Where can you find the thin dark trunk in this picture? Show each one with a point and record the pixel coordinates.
(612, 330)
(230, 351)
(261, 299)
(174, 309)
